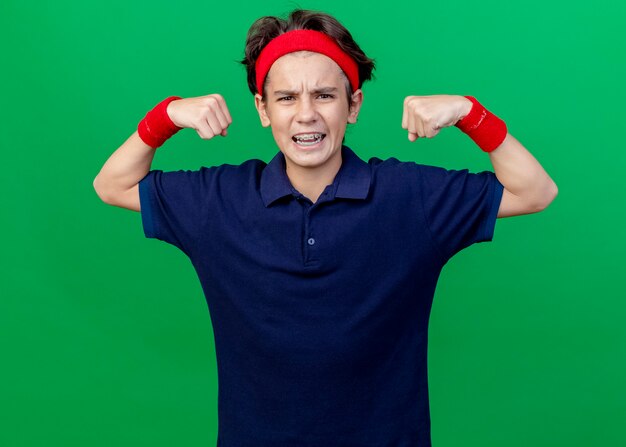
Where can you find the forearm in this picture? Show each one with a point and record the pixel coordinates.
(124, 168)
(521, 174)
(528, 188)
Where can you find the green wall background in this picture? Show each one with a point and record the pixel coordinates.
(105, 335)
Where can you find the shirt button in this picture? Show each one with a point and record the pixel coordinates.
(311, 241)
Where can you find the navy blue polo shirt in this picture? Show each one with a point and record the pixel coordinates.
(320, 310)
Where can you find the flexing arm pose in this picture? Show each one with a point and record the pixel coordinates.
(117, 183)
(319, 268)
(527, 186)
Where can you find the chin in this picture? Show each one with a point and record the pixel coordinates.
(309, 162)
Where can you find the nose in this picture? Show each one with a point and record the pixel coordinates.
(306, 111)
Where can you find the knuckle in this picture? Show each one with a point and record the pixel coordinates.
(209, 100)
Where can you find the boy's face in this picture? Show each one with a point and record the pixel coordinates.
(306, 94)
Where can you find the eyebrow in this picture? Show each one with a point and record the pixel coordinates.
(315, 91)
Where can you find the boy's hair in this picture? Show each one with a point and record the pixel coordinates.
(266, 28)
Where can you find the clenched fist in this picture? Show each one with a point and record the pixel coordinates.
(208, 115)
(425, 116)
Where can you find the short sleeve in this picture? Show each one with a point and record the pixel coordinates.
(460, 207)
(173, 205)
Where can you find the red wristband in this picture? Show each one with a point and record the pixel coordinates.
(487, 130)
(156, 127)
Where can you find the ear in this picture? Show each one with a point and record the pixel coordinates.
(355, 107)
(261, 108)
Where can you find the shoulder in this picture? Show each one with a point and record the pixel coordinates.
(230, 171)
(392, 166)
(426, 179)
(226, 175)
(243, 174)
(251, 165)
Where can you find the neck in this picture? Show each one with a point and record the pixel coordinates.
(311, 182)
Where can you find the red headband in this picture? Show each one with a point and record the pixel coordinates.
(300, 40)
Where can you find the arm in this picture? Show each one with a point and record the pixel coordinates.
(527, 186)
(117, 183)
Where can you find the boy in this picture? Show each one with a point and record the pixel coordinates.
(319, 268)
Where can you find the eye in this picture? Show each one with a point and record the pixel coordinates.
(326, 95)
(284, 98)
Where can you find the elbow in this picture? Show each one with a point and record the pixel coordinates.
(100, 191)
(549, 194)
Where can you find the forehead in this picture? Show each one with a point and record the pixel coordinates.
(305, 66)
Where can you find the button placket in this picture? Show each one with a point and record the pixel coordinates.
(309, 238)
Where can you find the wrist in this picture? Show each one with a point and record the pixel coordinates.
(483, 127)
(157, 126)
(466, 107)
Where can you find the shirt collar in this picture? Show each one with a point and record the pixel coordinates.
(352, 180)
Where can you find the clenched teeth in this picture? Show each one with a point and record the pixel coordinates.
(308, 138)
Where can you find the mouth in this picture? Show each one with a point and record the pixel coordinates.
(308, 139)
